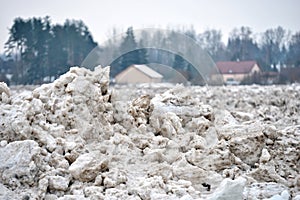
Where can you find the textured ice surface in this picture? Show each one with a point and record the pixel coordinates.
(78, 138)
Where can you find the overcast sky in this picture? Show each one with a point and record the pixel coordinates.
(102, 15)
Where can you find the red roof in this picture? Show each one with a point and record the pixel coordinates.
(235, 67)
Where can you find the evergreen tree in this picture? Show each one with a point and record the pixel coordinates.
(180, 65)
(129, 46)
(42, 50)
(131, 53)
(241, 45)
(179, 62)
(58, 55)
(37, 50)
(15, 47)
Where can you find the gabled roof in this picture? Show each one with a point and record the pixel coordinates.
(147, 71)
(235, 67)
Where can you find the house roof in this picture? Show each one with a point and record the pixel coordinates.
(235, 67)
(148, 71)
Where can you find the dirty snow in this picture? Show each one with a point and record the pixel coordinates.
(78, 138)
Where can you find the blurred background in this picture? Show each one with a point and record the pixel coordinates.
(248, 41)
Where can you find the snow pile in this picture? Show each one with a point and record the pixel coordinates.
(4, 93)
(77, 139)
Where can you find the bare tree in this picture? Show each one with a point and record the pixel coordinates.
(211, 41)
(273, 46)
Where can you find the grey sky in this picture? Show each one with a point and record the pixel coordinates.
(102, 15)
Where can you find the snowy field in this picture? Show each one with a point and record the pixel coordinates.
(79, 138)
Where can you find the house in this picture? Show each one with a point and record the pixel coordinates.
(234, 72)
(138, 74)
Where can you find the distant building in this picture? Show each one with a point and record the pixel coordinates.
(138, 74)
(290, 75)
(234, 72)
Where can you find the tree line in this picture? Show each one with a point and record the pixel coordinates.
(274, 49)
(38, 51)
